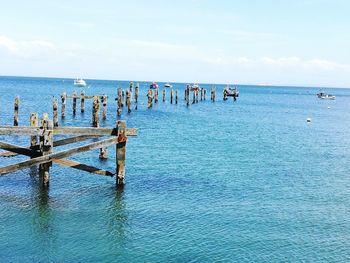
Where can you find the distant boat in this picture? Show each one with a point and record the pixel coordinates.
(231, 91)
(153, 85)
(167, 85)
(79, 82)
(325, 96)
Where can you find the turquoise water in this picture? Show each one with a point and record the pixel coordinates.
(244, 181)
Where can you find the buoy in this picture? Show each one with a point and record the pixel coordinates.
(308, 119)
(328, 107)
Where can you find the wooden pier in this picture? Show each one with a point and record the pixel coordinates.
(42, 144)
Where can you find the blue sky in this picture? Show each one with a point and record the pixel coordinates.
(274, 42)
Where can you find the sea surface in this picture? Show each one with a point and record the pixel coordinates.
(244, 181)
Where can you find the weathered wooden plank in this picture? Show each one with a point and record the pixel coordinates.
(25, 130)
(18, 149)
(74, 140)
(82, 167)
(8, 154)
(58, 155)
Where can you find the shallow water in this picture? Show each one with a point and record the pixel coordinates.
(240, 181)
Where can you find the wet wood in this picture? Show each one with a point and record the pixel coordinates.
(18, 149)
(96, 112)
(164, 93)
(73, 140)
(74, 102)
(128, 101)
(45, 148)
(176, 96)
(16, 109)
(58, 155)
(82, 102)
(150, 98)
(121, 153)
(171, 95)
(55, 113)
(82, 167)
(119, 102)
(63, 105)
(104, 107)
(136, 92)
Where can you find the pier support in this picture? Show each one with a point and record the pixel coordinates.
(104, 107)
(55, 113)
(15, 114)
(121, 153)
(33, 123)
(74, 102)
(82, 102)
(46, 145)
(63, 106)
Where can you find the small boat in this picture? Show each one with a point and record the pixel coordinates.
(153, 85)
(79, 82)
(231, 92)
(167, 85)
(325, 96)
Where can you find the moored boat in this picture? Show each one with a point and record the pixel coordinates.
(154, 85)
(79, 82)
(325, 96)
(168, 85)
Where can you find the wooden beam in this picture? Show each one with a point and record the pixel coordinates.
(74, 140)
(58, 155)
(25, 130)
(82, 167)
(18, 149)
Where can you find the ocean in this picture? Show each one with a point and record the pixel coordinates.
(244, 181)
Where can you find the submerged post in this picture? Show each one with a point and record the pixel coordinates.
(128, 100)
(171, 95)
(136, 92)
(204, 93)
(96, 112)
(63, 107)
(164, 92)
(82, 101)
(121, 153)
(176, 95)
(104, 107)
(55, 113)
(15, 114)
(46, 145)
(74, 102)
(150, 98)
(119, 102)
(201, 94)
(156, 96)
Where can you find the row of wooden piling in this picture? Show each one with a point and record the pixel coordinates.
(124, 98)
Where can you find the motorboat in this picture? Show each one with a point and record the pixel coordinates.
(231, 92)
(154, 85)
(325, 96)
(167, 85)
(79, 82)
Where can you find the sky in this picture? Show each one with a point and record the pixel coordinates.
(264, 42)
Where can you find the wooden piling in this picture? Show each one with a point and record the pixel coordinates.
(74, 102)
(214, 93)
(171, 95)
(156, 96)
(121, 153)
(201, 94)
(15, 114)
(187, 96)
(150, 98)
(33, 123)
(164, 92)
(193, 97)
(63, 106)
(46, 146)
(82, 102)
(136, 92)
(128, 101)
(176, 95)
(196, 93)
(123, 97)
(119, 102)
(204, 93)
(130, 87)
(104, 107)
(55, 113)
(96, 112)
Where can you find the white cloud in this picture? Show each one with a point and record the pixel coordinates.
(26, 49)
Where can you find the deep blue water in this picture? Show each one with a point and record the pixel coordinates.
(244, 181)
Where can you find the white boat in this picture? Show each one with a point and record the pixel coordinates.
(167, 85)
(325, 96)
(79, 82)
